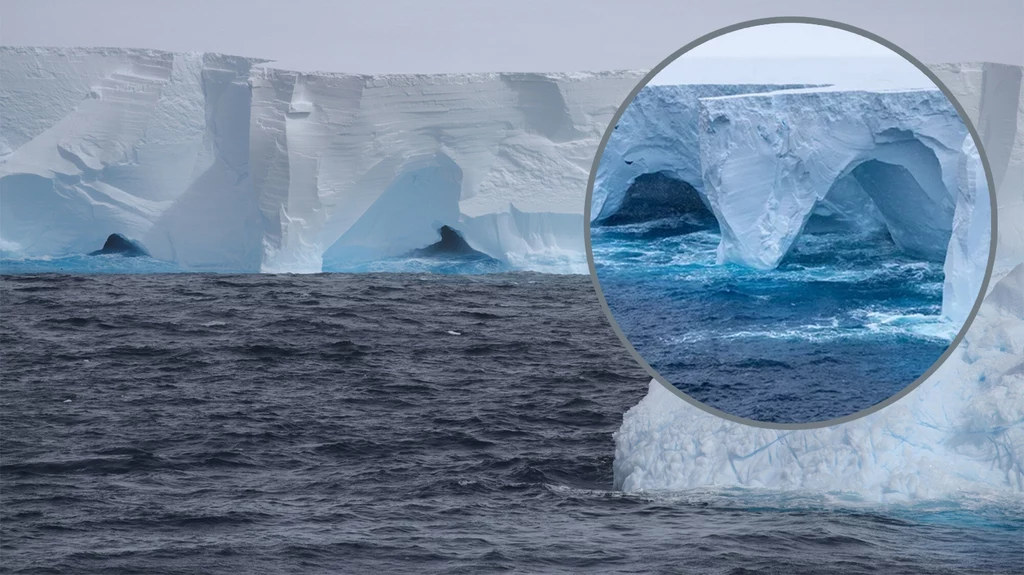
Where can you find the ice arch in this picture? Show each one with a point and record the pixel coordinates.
(897, 186)
(661, 195)
(657, 134)
(770, 160)
(422, 197)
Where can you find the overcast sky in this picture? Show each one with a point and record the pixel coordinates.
(388, 36)
(794, 53)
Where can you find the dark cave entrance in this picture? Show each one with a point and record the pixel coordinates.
(661, 197)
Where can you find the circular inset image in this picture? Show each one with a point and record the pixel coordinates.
(790, 223)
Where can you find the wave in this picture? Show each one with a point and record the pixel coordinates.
(86, 264)
(867, 324)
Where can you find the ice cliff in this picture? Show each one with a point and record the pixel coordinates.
(223, 163)
(960, 430)
(219, 162)
(770, 159)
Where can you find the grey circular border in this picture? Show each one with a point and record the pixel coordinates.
(963, 116)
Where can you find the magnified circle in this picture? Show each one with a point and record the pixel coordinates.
(790, 223)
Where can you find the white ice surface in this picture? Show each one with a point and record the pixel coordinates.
(339, 154)
(968, 251)
(149, 144)
(657, 133)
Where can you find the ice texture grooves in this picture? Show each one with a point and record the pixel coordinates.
(962, 430)
(219, 163)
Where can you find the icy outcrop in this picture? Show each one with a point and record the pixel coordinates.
(963, 429)
(217, 164)
(768, 160)
(993, 98)
(657, 134)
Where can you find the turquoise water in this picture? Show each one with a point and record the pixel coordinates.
(844, 322)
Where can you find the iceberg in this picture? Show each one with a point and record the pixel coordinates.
(657, 134)
(769, 159)
(961, 430)
(98, 141)
(224, 163)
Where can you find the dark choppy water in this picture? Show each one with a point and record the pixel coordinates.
(843, 323)
(337, 424)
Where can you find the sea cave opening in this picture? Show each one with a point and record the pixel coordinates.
(660, 197)
(890, 204)
(422, 198)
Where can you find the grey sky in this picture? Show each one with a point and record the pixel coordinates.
(387, 36)
(794, 53)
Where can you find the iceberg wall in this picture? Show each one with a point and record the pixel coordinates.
(968, 251)
(98, 141)
(217, 162)
(993, 97)
(769, 159)
(343, 153)
(960, 430)
(220, 163)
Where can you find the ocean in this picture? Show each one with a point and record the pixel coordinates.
(844, 322)
(381, 423)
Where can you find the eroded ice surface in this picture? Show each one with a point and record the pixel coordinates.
(968, 251)
(657, 135)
